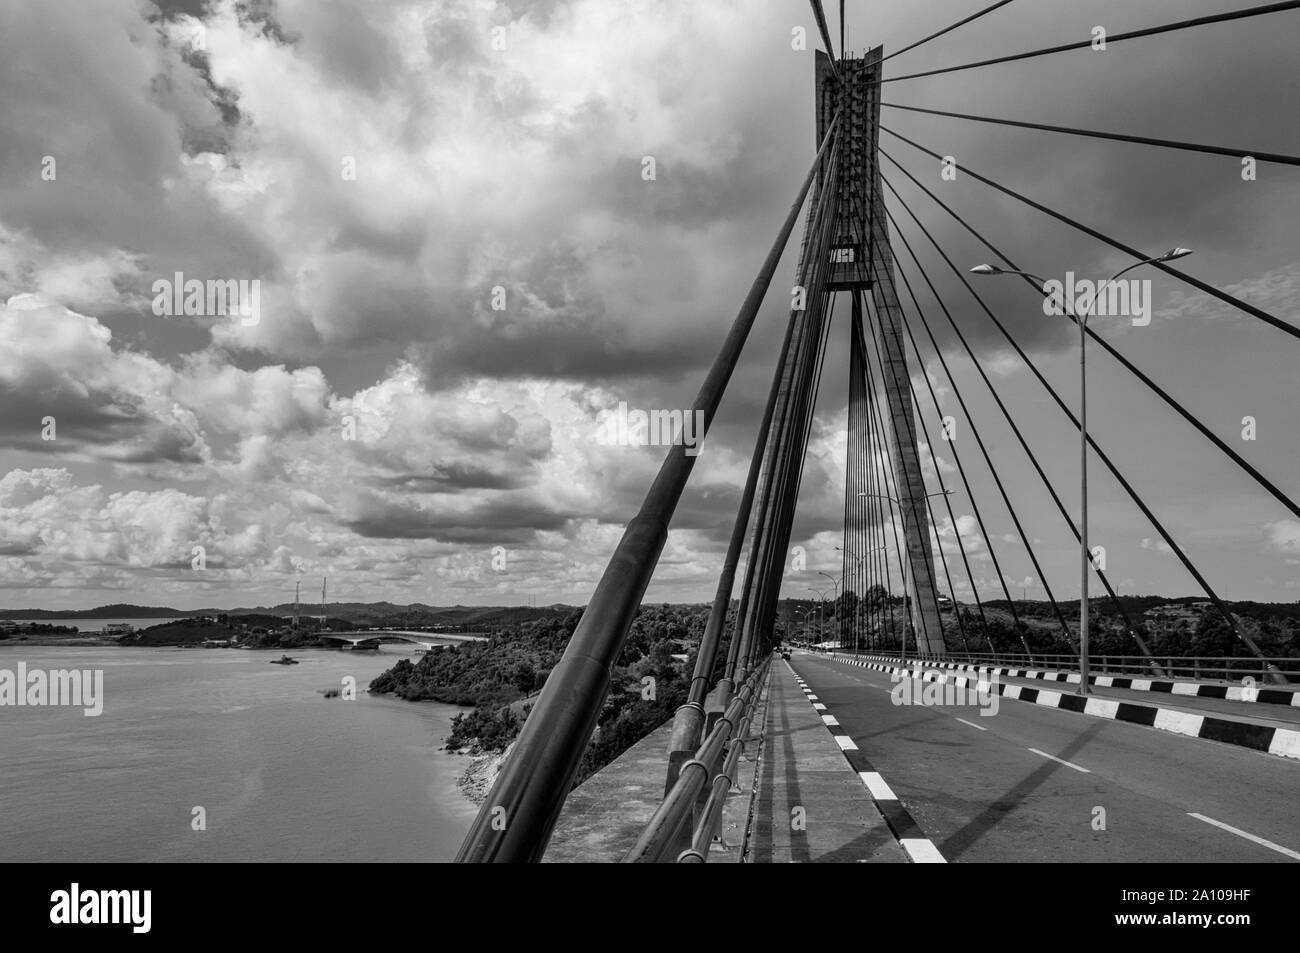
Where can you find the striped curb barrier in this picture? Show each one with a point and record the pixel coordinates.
(1232, 693)
(1284, 742)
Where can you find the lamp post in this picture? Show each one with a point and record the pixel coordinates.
(821, 611)
(857, 605)
(907, 563)
(835, 588)
(1085, 557)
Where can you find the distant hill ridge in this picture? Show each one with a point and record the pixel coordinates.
(382, 613)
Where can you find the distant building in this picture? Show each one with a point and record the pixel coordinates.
(117, 629)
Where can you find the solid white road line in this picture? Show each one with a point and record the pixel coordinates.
(972, 724)
(1250, 837)
(922, 850)
(1059, 761)
(877, 786)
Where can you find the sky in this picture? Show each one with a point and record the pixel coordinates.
(389, 170)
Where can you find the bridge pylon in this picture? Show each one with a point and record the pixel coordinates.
(861, 261)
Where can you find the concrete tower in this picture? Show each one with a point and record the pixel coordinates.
(862, 260)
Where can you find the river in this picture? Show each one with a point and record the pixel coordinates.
(281, 772)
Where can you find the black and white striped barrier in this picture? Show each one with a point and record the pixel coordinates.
(1284, 742)
(1232, 693)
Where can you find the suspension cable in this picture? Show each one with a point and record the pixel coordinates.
(947, 29)
(1128, 365)
(1115, 38)
(1116, 136)
(1181, 275)
(1205, 586)
(1051, 489)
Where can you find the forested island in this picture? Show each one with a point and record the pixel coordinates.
(499, 676)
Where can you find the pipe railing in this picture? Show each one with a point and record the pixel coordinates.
(677, 808)
(707, 828)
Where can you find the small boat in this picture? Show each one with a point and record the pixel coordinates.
(331, 693)
(284, 660)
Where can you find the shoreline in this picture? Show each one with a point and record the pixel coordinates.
(480, 773)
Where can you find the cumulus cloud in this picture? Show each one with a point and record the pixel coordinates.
(462, 264)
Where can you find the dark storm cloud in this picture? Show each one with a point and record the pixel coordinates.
(114, 426)
(489, 523)
(450, 477)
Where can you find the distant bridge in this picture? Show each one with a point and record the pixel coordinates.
(426, 639)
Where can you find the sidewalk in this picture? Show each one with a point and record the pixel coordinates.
(811, 806)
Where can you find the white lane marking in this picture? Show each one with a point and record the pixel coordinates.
(1053, 757)
(812, 698)
(877, 786)
(845, 742)
(972, 724)
(922, 850)
(1250, 837)
(819, 706)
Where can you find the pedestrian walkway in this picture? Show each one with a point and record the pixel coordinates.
(811, 806)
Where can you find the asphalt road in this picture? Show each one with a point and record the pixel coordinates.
(1027, 783)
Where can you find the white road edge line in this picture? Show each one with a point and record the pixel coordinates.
(1053, 757)
(1250, 837)
(972, 724)
(922, 850)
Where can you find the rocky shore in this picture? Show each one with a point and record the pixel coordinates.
(481, 772)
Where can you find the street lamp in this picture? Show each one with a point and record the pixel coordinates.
(821, 611)
(803, 621)
(857, 605)
(907, 563)
(859, 578)
(1085, 557)
(835, 583)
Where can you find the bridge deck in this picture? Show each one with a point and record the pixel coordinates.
(1034, 783)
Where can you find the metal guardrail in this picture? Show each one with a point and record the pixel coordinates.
(664, 832)
(1229, 668)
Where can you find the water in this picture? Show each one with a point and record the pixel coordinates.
(283, 773)
(94, 625)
